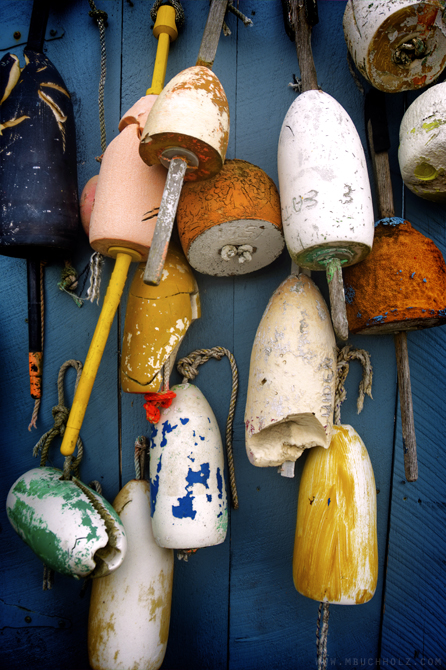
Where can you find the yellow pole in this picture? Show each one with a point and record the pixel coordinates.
(165, 31)
(111, 301)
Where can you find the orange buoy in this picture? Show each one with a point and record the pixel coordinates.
(401, 285)
(231, 224)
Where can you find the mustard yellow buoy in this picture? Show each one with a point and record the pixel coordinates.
(336, 548)
(156, 321)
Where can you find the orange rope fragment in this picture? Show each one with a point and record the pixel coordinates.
(156, 400)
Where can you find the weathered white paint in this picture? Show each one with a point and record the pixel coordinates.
(70, 527)
(188, 492)
(205, 252)
(128, 193)
(291, 388)
(191, 112)
(376, 30)
(422, 149)
(336, 550)
(323, 182)
(129, 616)
(156, 321)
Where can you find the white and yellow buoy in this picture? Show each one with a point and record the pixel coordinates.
(187, 482)
(129, 617)
(422, 148)
(397, 45)
(292, 375)
(336, 549)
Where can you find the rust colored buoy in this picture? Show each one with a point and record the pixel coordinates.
(231, 224)
(400, 286)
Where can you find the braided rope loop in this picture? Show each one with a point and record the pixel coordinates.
(188, 367)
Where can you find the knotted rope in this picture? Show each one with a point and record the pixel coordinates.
(141, 447)
(239, 15)
(37, 402)
(60, 413)
(345, 356)
(188, 367)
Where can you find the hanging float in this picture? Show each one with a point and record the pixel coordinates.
(129, 616)
(398, 45)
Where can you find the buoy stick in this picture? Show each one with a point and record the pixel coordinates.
(166, 32)
(178, 164)
(34, 328)
(304, 16)
(211, 34)
(164, 224)
(111, 301)
(376, 113)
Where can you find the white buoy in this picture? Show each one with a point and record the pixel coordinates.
(129, 618)
(188, 492)
(336, 549)
(397, 45)
(422, 149)
(324, 186)
(292, 375)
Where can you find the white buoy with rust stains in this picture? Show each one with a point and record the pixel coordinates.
(292, 375)
(129, 617)
(187, 483)
(156, 321)
(397, 45)
(336, 549)
(70, 527)
(324, 186)
(422, 148)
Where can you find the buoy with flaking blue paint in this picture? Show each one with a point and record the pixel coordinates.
(187, 481)
(129, 617)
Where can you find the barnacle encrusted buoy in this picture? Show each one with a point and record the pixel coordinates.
(400, 286)
(397, 45)
(231, 224)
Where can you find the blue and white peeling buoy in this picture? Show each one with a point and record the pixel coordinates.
(187, 484)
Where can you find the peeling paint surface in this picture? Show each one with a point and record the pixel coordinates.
(336, 549)
(189, 506)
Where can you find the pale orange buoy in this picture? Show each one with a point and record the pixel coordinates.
(292, 376)
(398, 45)
(128, 192)
(86, 202)
(156, 321)
(401, 285)
(231, 223)
(128, 624)
(336, 548)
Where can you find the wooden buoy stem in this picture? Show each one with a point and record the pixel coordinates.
(381, 169)
(211, 34)
(34, 328)
(337, 298)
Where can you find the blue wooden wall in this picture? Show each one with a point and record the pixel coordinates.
(234, 606)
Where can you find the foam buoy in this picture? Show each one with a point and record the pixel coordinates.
(187, 483)
(292, 375)
(156, 321)
(70, 527)
(230, 224)
(336, 549)
(398, 45)
(422, 152)
(129, 615)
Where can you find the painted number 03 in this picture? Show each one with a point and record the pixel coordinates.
(308, 201)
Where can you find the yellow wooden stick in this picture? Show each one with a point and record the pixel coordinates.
(165, 31)
(111, 301)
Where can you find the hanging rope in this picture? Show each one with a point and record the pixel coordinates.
(345, 356)
(69, 282)
(37, 402)
(101, 19)
(188, 367)
(60, 414)
(141, 447)
(96, 263)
